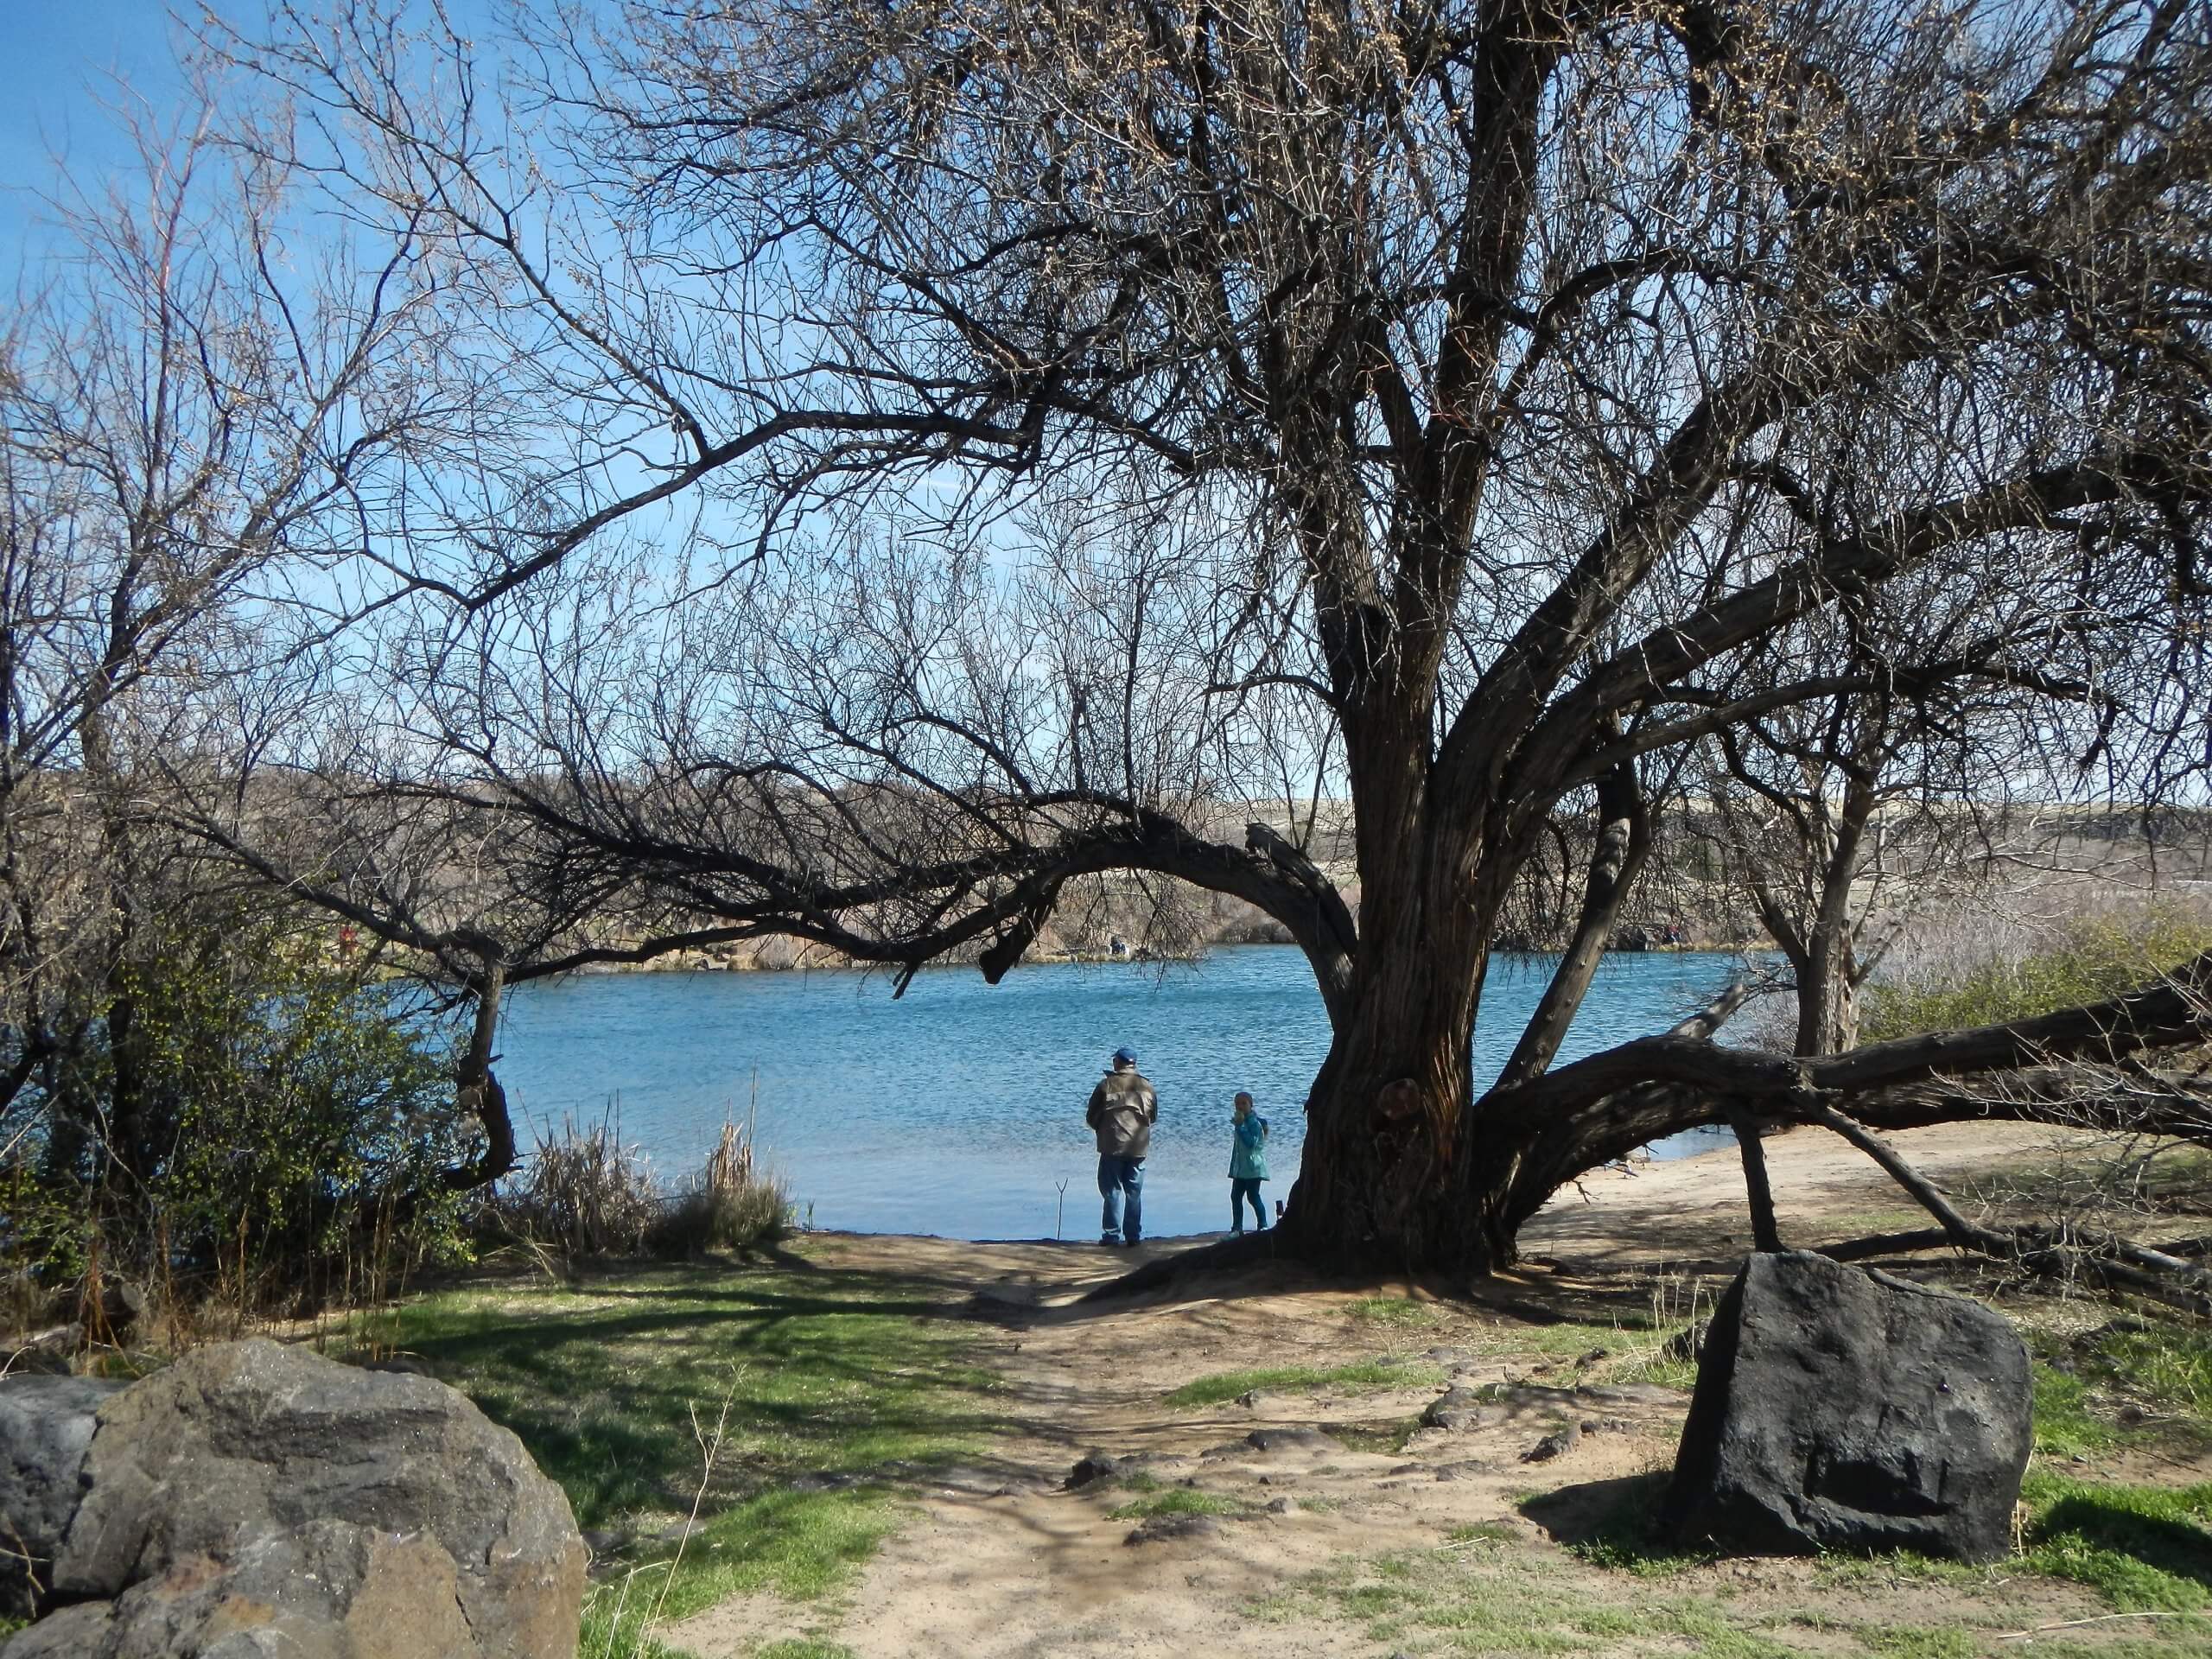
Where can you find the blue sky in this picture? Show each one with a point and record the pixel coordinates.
(62, 63)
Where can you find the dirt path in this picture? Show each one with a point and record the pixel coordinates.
(1000, 1561)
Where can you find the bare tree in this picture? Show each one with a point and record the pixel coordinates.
(198, 395)
(1140, 403)
(1840, 819)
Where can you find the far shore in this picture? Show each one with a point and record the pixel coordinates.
(706, 961)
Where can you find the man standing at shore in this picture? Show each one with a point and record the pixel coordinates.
(1123, 1111)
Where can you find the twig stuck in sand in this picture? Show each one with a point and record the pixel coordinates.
(2075, 1624)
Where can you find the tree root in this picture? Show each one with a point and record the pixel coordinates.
(1238, 1250)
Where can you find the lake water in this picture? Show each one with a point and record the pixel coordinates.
(957, 1109)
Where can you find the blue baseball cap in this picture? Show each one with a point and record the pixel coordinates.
(1125, 1056)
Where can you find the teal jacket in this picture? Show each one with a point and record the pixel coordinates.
(1248, 1150)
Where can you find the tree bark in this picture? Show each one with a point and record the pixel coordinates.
(477, 1090)
(1390, 1121)
(1759, 1192)
(1828, 969)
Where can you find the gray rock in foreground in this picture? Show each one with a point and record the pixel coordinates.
(46, 1428)
(1839, 1408)
(255, 1499)
(1456, 1409)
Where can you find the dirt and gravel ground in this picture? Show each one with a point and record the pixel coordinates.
(1342, 1527)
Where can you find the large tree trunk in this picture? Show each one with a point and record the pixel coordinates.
(1382, 1182)
(1396, 1173)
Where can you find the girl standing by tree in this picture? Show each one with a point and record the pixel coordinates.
(1248, 1164)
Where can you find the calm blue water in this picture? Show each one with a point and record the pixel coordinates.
(957, 1108)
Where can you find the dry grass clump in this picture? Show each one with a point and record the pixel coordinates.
(732, 1204)
(583, 1192)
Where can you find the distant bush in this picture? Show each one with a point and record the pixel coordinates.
(732, 1204)
(583, 1192)
(1995, 981)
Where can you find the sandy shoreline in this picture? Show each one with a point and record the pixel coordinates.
(1655, 1208)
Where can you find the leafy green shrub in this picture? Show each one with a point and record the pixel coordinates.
(238, 1112)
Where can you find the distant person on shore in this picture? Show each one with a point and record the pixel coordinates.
(1122, 1112)
(1248, 1164)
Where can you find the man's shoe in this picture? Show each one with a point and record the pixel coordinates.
(1107, 1238)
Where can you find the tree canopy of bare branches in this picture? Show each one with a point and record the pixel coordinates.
(985, 444)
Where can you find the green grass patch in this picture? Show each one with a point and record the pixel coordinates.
(1919, 1642)
(2156, 1372)
(1362, 1376)
(1178, 1500)
(1634, 1348)
(1904, 1567)
(1490, 1601)
(804, 1646)
(1391, 1437)
(1659, 1369)
(800, 1546)
(2143, 1549)
(2067, 1419)
(611, 1384)
(1400, 1310)
(1480, 1532)
(2168, 1361)
(1717, 1631)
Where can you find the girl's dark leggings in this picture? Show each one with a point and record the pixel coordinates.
(1238, 1192)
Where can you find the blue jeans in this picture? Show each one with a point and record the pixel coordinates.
(1121, 1181)
(1241, 1188)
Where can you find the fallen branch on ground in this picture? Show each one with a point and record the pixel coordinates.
(2063, 1252)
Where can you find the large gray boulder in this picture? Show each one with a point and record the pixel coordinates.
(254, 1499)
(1839, 1408)
(46, 1428)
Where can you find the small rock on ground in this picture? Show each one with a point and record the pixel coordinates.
(1095, 1467)
(1162, 1528)
(1456, 1409)
(1553, 1446)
